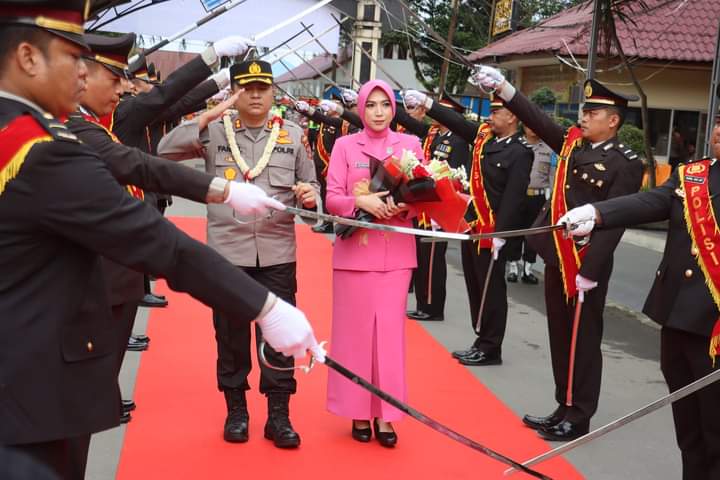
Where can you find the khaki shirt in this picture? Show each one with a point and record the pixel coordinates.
(269, 241)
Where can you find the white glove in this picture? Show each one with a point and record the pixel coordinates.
(414, 98)
(232, 46)
(247, 199)
(286, 330)
(492, 78)
(302, 106)
(349, 96)
(584, 285)
(582, 218)
(497, 246)
(328, 106)
(222, 78)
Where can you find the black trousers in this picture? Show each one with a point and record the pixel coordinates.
(430, 277)
(494, 315)
(588, 357)
(684, 359)
(66, 458)
(233, 341)
(319, 167)
(517, 247)
(124, 318)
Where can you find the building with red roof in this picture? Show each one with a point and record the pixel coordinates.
(672, 47)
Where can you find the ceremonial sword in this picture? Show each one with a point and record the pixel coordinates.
(621, 422)
(417, 415)
(421, 232)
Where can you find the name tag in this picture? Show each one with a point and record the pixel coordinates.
(362, 164)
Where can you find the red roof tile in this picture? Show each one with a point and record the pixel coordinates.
(677, 30)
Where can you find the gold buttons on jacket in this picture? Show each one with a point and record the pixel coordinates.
(498, 164)
(584, 176)
(599, 183)
(688, 273)
(694, 251)
(657, 274)
(574, 171)
(567, 187)
(90, 346)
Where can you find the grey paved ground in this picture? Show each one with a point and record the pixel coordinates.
(644, 450)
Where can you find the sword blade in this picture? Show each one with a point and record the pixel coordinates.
(621, 422)
(425, 420)
(573, 346)
(512, 233)
(290, 20)
(375, 226)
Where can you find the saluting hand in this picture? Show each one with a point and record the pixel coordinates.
(217, 111)
(305, 194)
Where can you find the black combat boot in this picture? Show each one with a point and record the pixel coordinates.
(278, 427)
(236, 423)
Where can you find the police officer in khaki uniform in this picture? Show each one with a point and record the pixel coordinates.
(262, 247)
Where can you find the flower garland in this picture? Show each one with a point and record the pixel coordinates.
(250, 173)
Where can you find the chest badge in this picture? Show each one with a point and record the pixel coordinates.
(389, 150)
(680, 192)
(230, 174)
(600, 166)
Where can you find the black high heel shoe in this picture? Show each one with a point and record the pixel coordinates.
(386, 439)
(361, 434)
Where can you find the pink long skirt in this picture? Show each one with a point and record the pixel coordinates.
(368, 337)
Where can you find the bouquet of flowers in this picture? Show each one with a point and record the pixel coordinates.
(434, 189)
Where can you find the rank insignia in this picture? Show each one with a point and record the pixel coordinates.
(238, 124)
(284, 138)
(600, 166)
(230, 173)
(680, 192)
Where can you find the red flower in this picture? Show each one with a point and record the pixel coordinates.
(420, 172)
(277, 119)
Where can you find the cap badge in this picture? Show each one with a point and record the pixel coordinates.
(254, 68)
(588, 91)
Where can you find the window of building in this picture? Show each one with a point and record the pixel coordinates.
(402, 52)
(659, 127)
(388, 49)
(369, 13)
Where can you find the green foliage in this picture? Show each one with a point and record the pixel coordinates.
(633, 137)
(534, 11)
(543, 96)
(565, 123)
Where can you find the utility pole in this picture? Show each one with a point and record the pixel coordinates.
(592, 53)
(714, 93)
(451, 34)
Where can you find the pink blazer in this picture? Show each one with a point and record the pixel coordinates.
(367, 250)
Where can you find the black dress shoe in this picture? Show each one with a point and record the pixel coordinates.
(278, 427)
(237, 420)
(539, 423)
(361, 434)
(530, 279)
(153, 301)
(125, 417)
(464, 353)
(136, 346)
(141, 338)
(128, 405)
(386, 439)
(481, 358)
(565, 431)
(512, 277)
(426, 317)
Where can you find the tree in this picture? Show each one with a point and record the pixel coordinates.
(473, 21)
(533, 11)
(611, 12)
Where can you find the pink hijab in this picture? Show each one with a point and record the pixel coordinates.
(363, 95)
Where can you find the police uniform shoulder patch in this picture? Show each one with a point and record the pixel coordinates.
(523, 141)
(611, 145)
(626, 152)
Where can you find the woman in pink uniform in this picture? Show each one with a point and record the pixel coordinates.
(371, 272)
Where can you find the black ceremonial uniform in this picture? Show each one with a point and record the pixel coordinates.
(505, 168)
(593, 174)
(681, 302)
(431, 275)
(60, 212)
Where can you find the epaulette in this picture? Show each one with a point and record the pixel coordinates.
(55, 127)
(523, 141)
(626, 152)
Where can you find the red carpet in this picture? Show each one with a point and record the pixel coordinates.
(176, 432)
